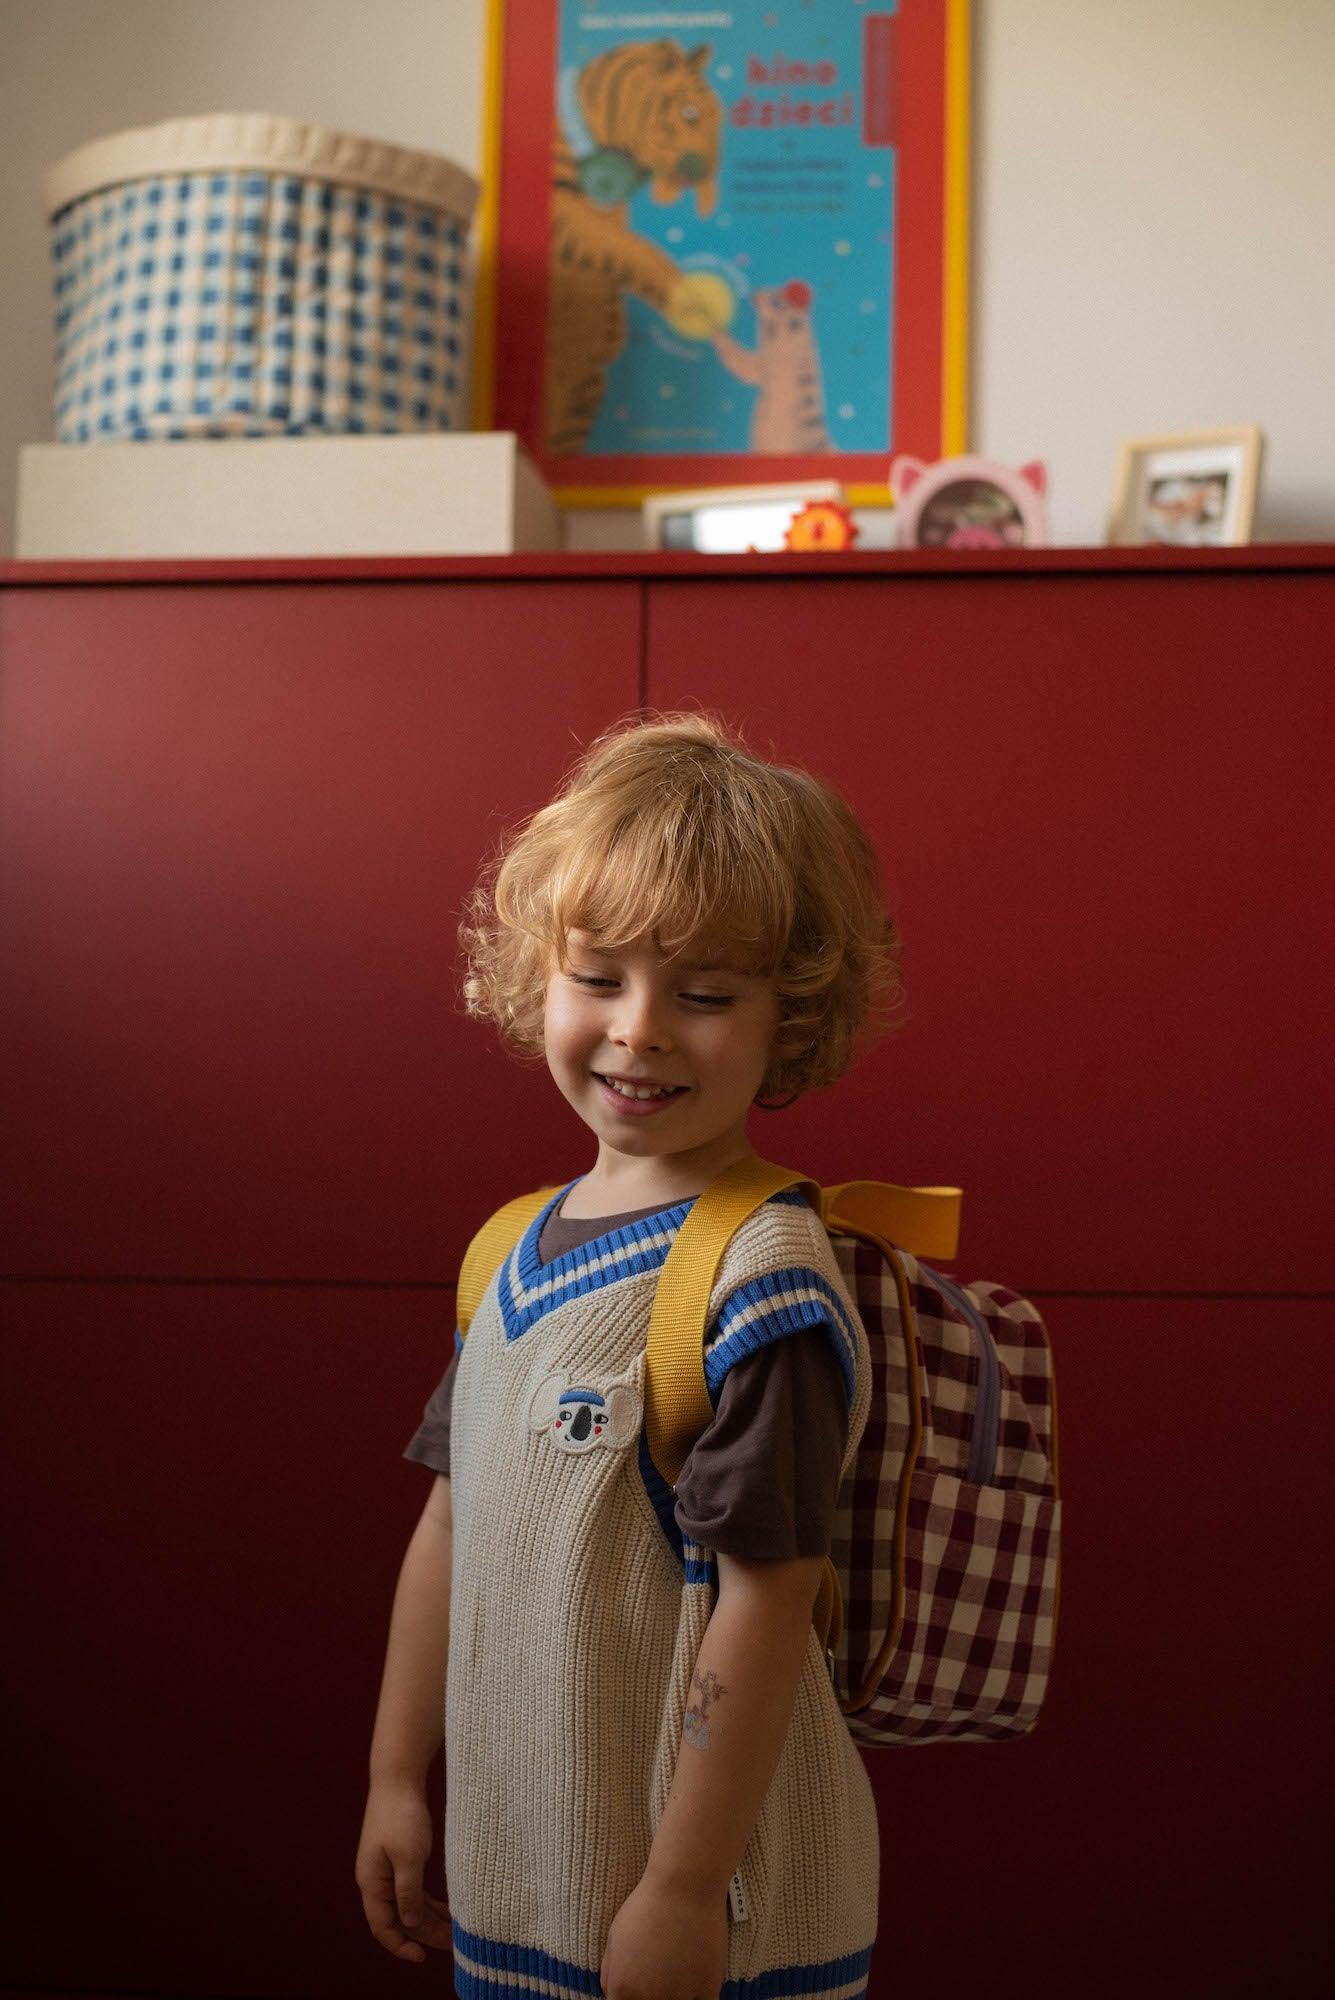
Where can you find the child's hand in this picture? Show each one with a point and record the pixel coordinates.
(666, 1947)
(391, 1859)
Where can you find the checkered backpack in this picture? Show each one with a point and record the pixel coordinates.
(937, 1608)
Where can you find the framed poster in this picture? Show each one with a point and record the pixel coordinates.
(723, 245)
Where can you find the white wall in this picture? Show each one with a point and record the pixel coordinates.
(1153, 188)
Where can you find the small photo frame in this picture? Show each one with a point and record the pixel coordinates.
(969, 502)
(1195, 489)
(730, 520)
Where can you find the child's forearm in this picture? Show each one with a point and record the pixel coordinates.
(410, 1718)
(741, 1704)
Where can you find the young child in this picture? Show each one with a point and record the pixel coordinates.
(651, 1788)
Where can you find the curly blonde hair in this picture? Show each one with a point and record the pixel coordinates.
(671, 829)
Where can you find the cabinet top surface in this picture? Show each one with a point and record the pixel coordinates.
(574, 565)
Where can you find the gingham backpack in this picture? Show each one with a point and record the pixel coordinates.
(937, 1608)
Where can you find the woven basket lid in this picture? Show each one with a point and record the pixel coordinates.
(275, 145)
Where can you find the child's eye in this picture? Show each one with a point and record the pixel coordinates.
(705, 999)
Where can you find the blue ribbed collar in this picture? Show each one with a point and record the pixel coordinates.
(530, 1289)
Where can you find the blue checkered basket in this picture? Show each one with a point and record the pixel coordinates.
(241, 275)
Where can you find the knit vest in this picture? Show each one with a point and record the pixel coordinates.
(577, 1611)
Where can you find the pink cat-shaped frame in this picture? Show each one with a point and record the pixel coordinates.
(916, 484)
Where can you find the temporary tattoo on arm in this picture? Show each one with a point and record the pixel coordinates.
(697, 1716)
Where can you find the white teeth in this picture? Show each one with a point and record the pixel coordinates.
(628, 1090)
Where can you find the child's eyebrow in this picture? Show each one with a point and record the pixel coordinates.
(694, 965)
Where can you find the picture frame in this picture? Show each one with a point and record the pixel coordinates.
(730, 520)
(732, 250)
(969, 502)
(1189, 489)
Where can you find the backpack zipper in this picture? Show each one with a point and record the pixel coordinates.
(987, 1409)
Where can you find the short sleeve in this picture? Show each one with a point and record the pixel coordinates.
(762, 1481)
(429, 1444)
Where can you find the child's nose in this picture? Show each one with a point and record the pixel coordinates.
(641, 1024)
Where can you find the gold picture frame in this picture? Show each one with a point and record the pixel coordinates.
(1187, 489)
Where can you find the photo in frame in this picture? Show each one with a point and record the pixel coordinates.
(731, 250)
(730, 520)
(1192, 489)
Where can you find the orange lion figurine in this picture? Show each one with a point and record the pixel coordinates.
(821, 524)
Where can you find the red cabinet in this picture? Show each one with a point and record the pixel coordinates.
(1102, 806)
(239, 822)
(248, 1131)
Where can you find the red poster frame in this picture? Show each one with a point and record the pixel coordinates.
(930, 251)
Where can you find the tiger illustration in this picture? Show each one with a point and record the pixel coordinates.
(640, 113)
(789, 412)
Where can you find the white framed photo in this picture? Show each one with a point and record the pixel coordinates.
(1196, 489)
(730, 520)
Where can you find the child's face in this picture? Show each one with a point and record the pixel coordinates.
(630, 1014)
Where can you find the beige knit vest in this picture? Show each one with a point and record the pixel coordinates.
(575, 1627)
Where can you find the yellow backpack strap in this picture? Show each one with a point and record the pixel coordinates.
(491, 1246)
(677, 1405)
(924, 1221)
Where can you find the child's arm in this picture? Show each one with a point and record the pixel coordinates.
(673, 1928)
(742, 1695)
(410, 1720)
(396, 1832)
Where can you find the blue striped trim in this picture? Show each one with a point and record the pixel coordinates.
(835, 1979)
(768, 1308)
(661, 1499)
(487, 1969)
(699, 1565)
(530, 1289)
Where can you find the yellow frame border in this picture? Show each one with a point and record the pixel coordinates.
(488, 213)
(955, 286)
(955, 277)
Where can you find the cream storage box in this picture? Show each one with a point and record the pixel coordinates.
(403, 494)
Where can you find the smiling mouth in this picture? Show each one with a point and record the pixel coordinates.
(659, 1091)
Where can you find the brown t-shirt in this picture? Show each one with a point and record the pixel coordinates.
(762, 1479)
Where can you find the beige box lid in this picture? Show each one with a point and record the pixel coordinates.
(272, 144)
(419, 493)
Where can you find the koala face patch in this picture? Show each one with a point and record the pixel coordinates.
(579, 1417)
